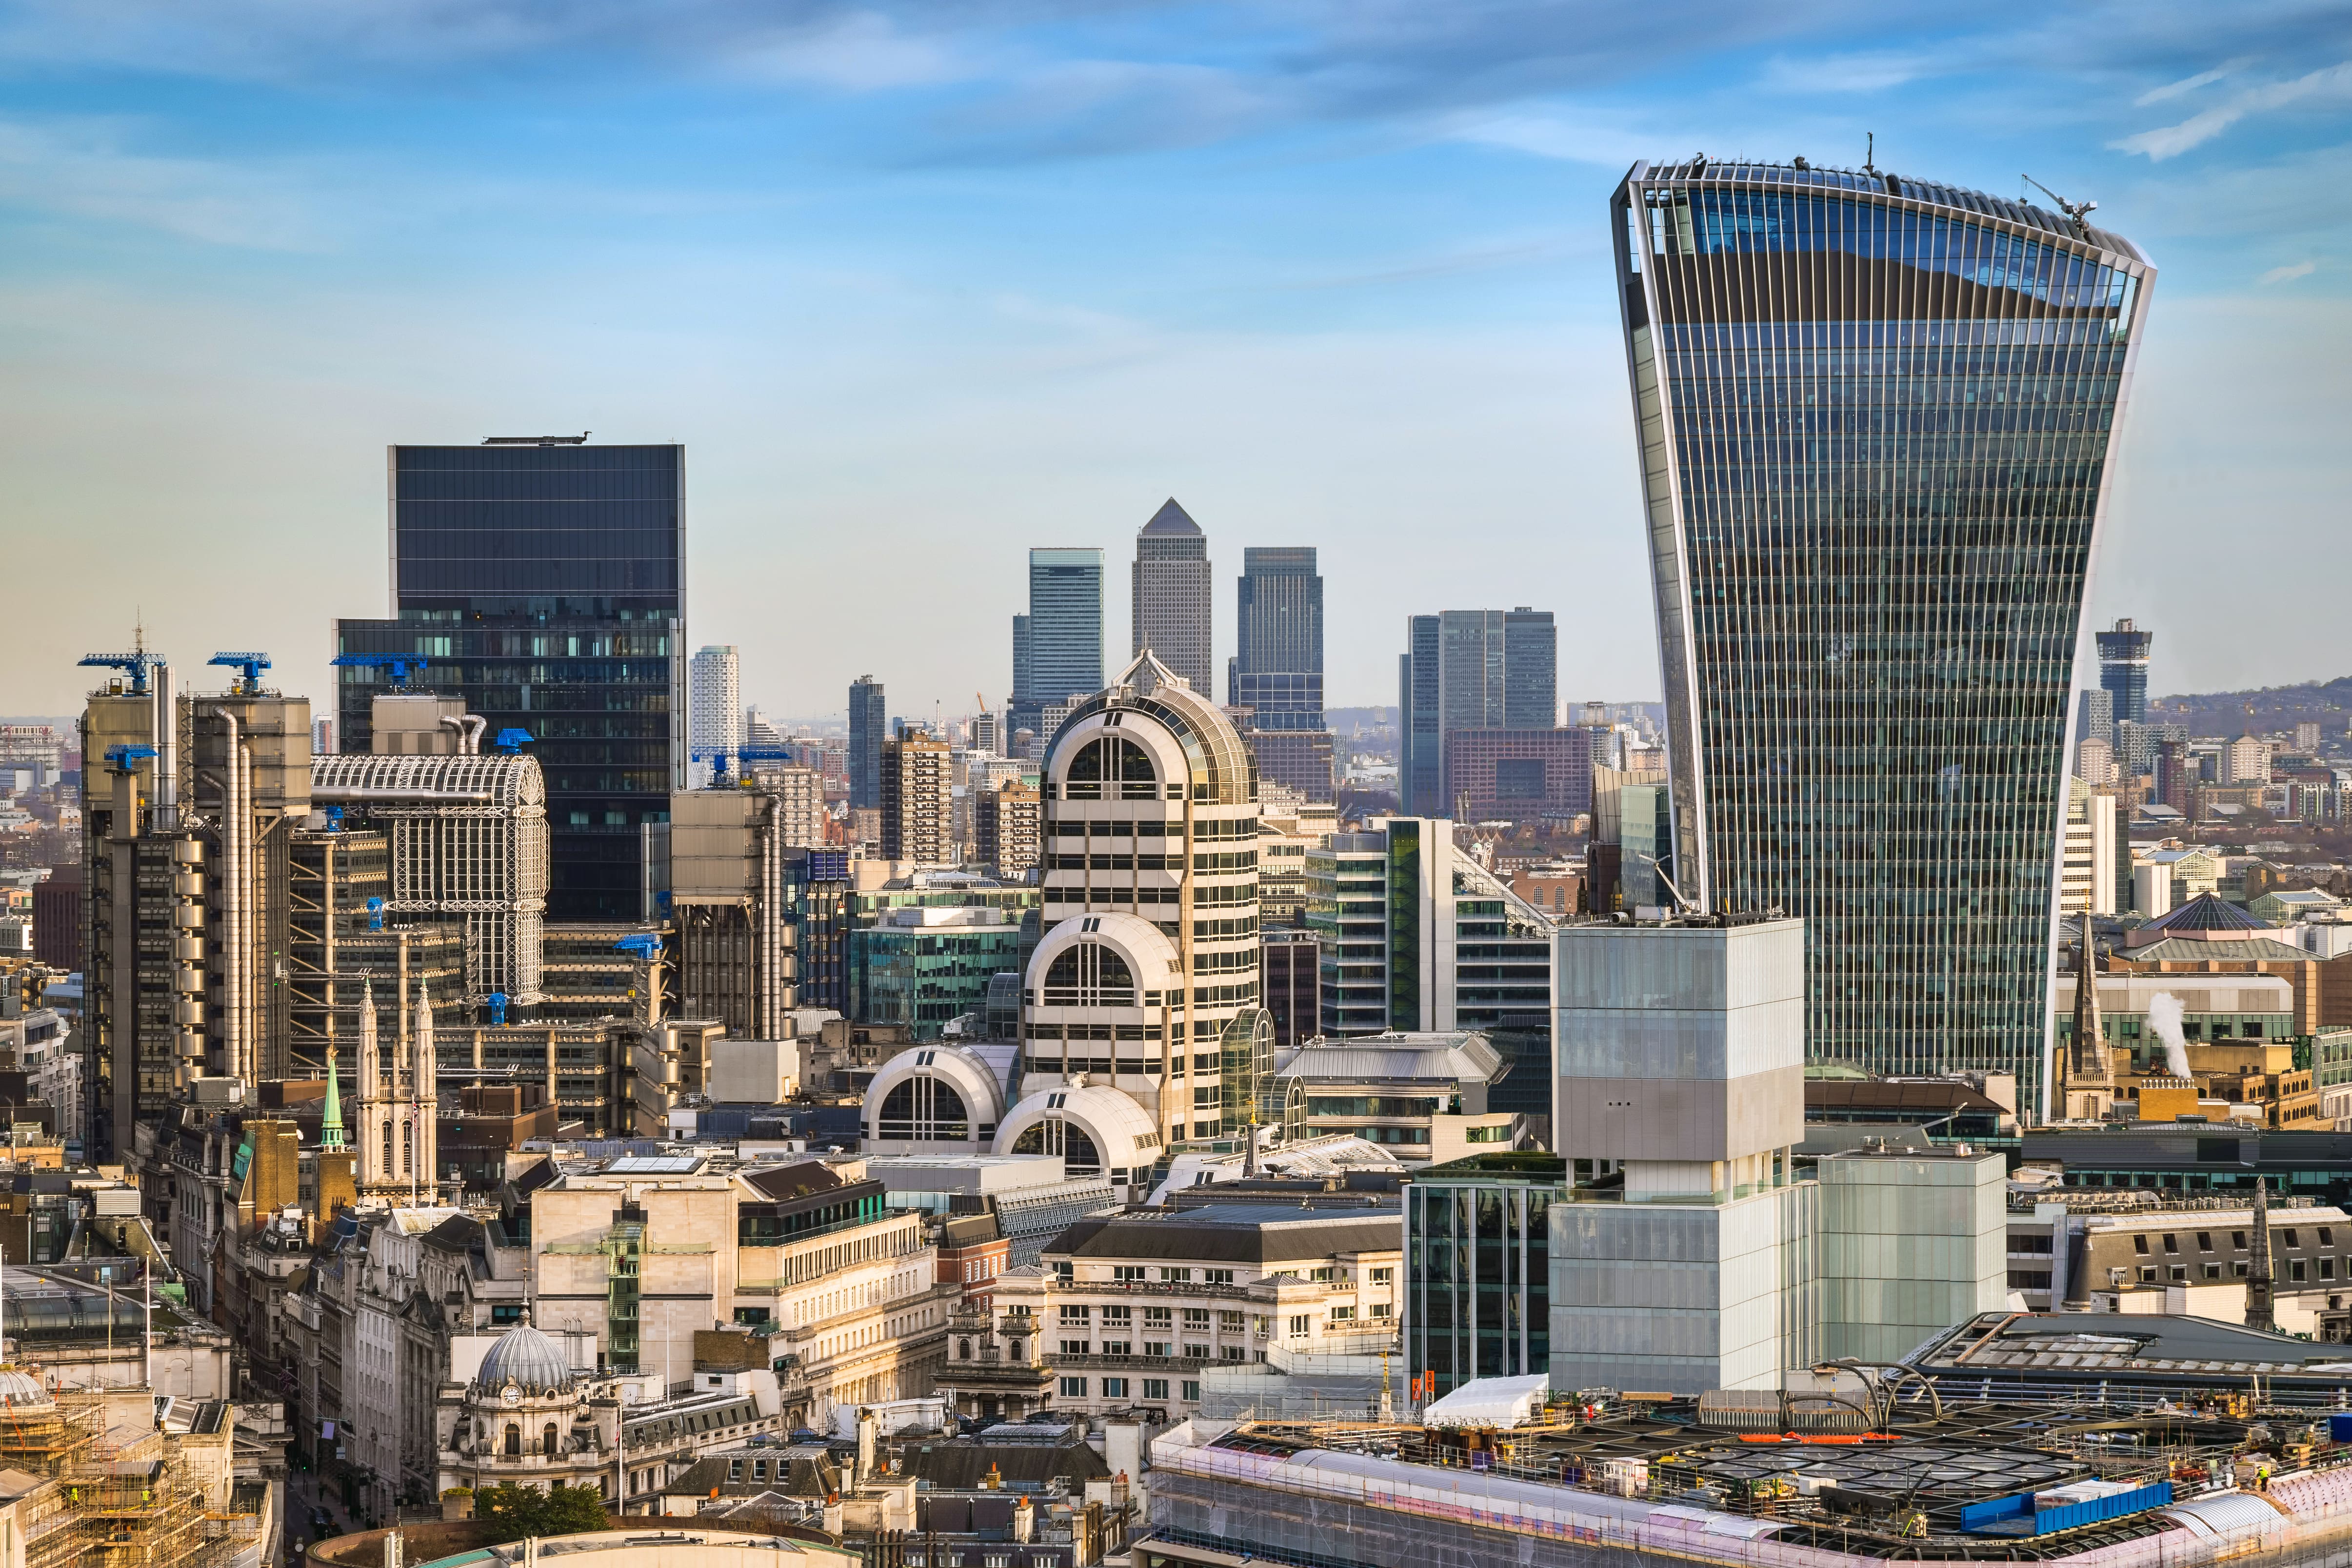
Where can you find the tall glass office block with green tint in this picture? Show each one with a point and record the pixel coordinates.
(1875, 420)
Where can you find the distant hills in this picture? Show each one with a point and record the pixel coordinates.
(2271, 709)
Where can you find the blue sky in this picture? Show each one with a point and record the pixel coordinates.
(921, 285)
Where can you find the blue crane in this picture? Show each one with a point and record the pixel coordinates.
(512, 741)
(251, 663)
(139, 667)
(401, 665)
(120, 758)
(724, 759)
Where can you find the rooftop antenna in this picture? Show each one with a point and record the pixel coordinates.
(2074, 210)
(1870, 153)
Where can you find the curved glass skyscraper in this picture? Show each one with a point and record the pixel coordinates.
(1874, 422)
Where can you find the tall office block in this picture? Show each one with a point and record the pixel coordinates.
(2122, 671)
(1058, 647)
(1277, 668)
(1470, 669)
(1416, 936)
(714, 709)
(542, 581)
(1531, 670)
(917, 801)
(1477, 1267)
(731, 902)
(1683, 1257)
(1171, 594)
(869, 723)
(1421, 721)
(188, 805)
(1869, 571)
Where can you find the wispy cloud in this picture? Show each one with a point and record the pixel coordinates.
(2173, 90)
(2330, 83)
(861, 52)
(1571, 137)
(87, 170)
(2288, 273)
(1872, 72)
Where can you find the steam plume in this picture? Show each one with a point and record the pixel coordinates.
(2164, 1012)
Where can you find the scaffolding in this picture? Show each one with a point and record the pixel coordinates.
(120, 1498)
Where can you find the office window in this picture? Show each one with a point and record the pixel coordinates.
(2295, 1270)
(1126, 1273)
(2171, 1242)
(1229, 1321)
(1378, 1310)
(2204, 1241)
(1220, 1275)
(2291, 1238)
(1076, 1315)
(1074, 1388)
(1155, 1389)
(1383, 1276)
(2240, 1270)
(1114, 1387)
(2238, 1239)
(2327, 1268)
(2327, 1236)
(2212, 1271)
(2139, 1245)
(2147, 1276)
(1176, 1276)
(1342, 1314)
(1074, 1347)
(2179, 1271)
(1300, 1325)
(1191, 1389)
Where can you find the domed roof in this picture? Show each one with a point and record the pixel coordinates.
(528, 1359)
(19, 1390)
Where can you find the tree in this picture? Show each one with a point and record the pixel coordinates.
(518, 1511)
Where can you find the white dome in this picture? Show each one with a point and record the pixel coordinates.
(1117, 1130)
(19, 1390)
(528, 1359)
(956, 1089)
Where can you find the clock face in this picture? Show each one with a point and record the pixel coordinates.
(512, 1394)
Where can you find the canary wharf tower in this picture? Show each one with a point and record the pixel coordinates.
(1875, 420)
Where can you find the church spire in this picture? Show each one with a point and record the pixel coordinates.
(331, 1126)
(2258, 1281)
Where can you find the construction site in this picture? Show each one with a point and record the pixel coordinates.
(100, 1478)
(1856, 1471)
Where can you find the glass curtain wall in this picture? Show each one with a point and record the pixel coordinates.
(1875, 420)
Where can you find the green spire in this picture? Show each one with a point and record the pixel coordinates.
(330, 1126)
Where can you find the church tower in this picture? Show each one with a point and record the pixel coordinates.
(379, 1107)
(2087, 1075)
(421, 1132)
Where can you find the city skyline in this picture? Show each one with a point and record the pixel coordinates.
(940, 258)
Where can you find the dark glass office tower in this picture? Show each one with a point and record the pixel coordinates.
(869, 724)
(1530, 669)
(1875, 416)
(1420, 720)
(1277, 668)
(1471, 669)
(1058, 647)
(2122, 671)
(543, 580)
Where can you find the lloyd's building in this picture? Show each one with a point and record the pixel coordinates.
(1876, 419)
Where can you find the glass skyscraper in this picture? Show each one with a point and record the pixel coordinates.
(2122, 671)
(1875, 418)
(1470, 669)
(1277, 667)
(869, 723)
(1171, 595)
(1058, 647)
(543, 580)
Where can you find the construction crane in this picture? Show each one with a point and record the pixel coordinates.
(120, 758)
(139, 667)
(401, 665)
(512, 741)
(2074, 210)
(251, 663)
(724, 759)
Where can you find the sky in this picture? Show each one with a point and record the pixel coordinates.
(922, 285)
